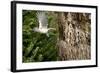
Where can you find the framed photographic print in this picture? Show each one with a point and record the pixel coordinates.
(47, 36)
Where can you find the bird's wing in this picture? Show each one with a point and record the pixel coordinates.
(42, 18)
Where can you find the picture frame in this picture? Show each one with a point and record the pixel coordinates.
(20, 10)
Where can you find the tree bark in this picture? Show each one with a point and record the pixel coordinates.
(72, 42)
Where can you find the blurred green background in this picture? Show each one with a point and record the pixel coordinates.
(38, 47)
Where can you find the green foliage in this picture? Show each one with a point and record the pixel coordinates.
(38, 47)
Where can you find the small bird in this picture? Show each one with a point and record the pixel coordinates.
(43, 23)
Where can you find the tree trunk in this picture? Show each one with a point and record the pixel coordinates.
(72, 41)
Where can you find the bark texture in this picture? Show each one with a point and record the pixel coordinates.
(74, 36)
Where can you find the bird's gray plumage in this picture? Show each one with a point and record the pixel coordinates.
(43, 23)
(42, 18)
